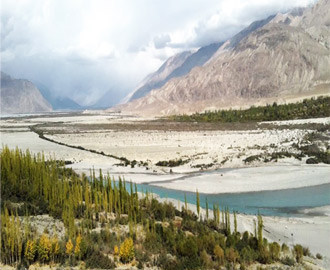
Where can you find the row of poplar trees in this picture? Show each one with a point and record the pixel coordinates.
(31, 185)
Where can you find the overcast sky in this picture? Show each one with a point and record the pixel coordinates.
(83, 49)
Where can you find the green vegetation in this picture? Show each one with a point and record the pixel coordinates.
(308, 108)
(107, 224)
(172, 163)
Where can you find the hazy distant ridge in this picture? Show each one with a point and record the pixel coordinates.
(21, 96)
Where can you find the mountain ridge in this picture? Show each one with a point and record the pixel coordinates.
(287, 56)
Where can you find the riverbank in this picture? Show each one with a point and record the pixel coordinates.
(253, 179)
(312, 232)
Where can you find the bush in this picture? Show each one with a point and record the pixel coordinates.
(288, 261)
(312, 161)
(306, 251)
(298, 250)
(284, 248)
(319, 256)
(140, 265)
(98, 260)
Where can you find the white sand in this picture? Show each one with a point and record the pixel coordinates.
(254, 179)
(200, 147)
(324, 121)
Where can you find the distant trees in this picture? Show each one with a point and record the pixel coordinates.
(309, 108)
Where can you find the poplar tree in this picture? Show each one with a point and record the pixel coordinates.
(197, 202)
(260, 226)
(207, 208)
(185, 201)
(235, 222)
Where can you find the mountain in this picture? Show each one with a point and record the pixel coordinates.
(105, 101)
(158, 78)
(176, 66)
(58, 102)
(21, 96)
(285, 56)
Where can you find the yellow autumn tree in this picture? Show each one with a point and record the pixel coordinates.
(55, 248)
(30, 250)
(126, 252)
(44, 248)
(69, 248)
(116, 250)
(77, 248)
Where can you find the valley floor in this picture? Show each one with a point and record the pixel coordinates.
(201, 147)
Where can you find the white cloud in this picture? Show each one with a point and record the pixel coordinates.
(83, 48)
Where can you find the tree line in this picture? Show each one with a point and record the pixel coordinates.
(308, 108)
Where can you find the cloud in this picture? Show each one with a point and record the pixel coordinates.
(82, 48)
(161, 41)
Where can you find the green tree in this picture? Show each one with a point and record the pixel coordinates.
(197, 203)
(299, 253)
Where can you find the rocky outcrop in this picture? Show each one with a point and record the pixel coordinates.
(21, 96)
(288, 56)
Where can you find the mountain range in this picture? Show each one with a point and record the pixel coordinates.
(283, 57)
(21, 96)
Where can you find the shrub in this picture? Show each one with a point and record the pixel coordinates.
(288, 261)
(319, 256)
(99, 261)
(275, 250)
(306, 251)
(285, 248)
(298, 250)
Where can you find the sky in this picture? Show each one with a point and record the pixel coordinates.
(82, 49)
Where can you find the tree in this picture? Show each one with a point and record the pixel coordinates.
(55, 248)
(207, 208)
(77, 247)
(219, 254)
(185, 201)
(69, 248)
(274, 249)
(206, 260)
(126, 252)
(44, 248)
(232, 255)
(235, 223)
(30, 250)
(197, 202)
(260, 226)
(299, 253)
(115, 250)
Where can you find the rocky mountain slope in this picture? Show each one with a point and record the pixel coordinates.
(176, 66)
(282, 57)
(21, 96)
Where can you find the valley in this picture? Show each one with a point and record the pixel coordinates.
(215, 159)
